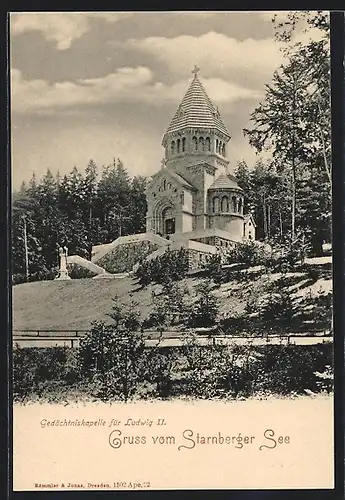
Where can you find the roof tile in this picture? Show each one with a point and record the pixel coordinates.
(196, 110)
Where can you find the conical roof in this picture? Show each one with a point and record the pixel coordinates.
(196, 110)
(225, 182)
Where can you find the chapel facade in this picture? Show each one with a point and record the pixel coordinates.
(193, 196)
(193, 202)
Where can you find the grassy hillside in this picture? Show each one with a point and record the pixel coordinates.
(74, 304)
(70, 304)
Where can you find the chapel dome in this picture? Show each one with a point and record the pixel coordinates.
(197, 111)
(225, 181)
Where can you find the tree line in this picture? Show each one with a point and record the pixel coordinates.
(77, 210)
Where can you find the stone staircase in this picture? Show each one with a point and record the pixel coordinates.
(90, 266)
(99, 251)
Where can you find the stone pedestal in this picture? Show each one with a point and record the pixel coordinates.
(63, 275)
(63, 272)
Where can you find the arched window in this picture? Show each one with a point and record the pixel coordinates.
(234, 204)
(223, 149)
(225, 204)
(164, 185)
(216, 204)
(217, 145)
(240, 206)
(169, 186)
(173, 147)
(178, 145)
(195, 143)
(184, 144)
(208, 144)
(201, 144)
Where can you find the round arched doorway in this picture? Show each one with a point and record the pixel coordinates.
(168, 220)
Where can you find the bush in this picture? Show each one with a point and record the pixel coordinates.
(114, 359)
(170, 307)
(251, 253)
(204, 310)
(214, 268)
(17, 279)
(216, 370)
(76, 271)
(284, 257)
(279, 309)
(35, 369)
(292, 369)
(171, 266)
(211, 371)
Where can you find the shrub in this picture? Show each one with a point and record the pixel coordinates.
(171, 266)
(76, 271)
(216, 370)
(113, 358)
(214, 268)
(36, 369)
(291, 369)
(170, 307)
(204, 310)
(279, 309)
(250, 253)
(17, 279)
(127, 316)
(160, 365)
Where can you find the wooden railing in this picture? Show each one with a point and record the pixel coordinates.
(166, 339)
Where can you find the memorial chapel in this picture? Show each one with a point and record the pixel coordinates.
(193, 194)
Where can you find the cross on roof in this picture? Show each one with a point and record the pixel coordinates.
(195, 70)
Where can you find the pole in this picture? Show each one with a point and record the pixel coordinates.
(26, 250)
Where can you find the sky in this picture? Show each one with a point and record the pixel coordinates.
(106, 85)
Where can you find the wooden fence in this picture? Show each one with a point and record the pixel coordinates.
(71, 338)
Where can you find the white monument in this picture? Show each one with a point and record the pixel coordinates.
(63, 272)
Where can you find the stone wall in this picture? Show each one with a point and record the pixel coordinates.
(196, 259)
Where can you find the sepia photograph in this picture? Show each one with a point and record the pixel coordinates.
(172, 249)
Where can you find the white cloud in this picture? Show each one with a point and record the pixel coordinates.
(217, 54)
(125, 85)
(60, 28)
(38, 95)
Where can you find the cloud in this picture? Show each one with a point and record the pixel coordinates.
(125, 85)
(40, 95)
(217, 54)
(60, 28)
